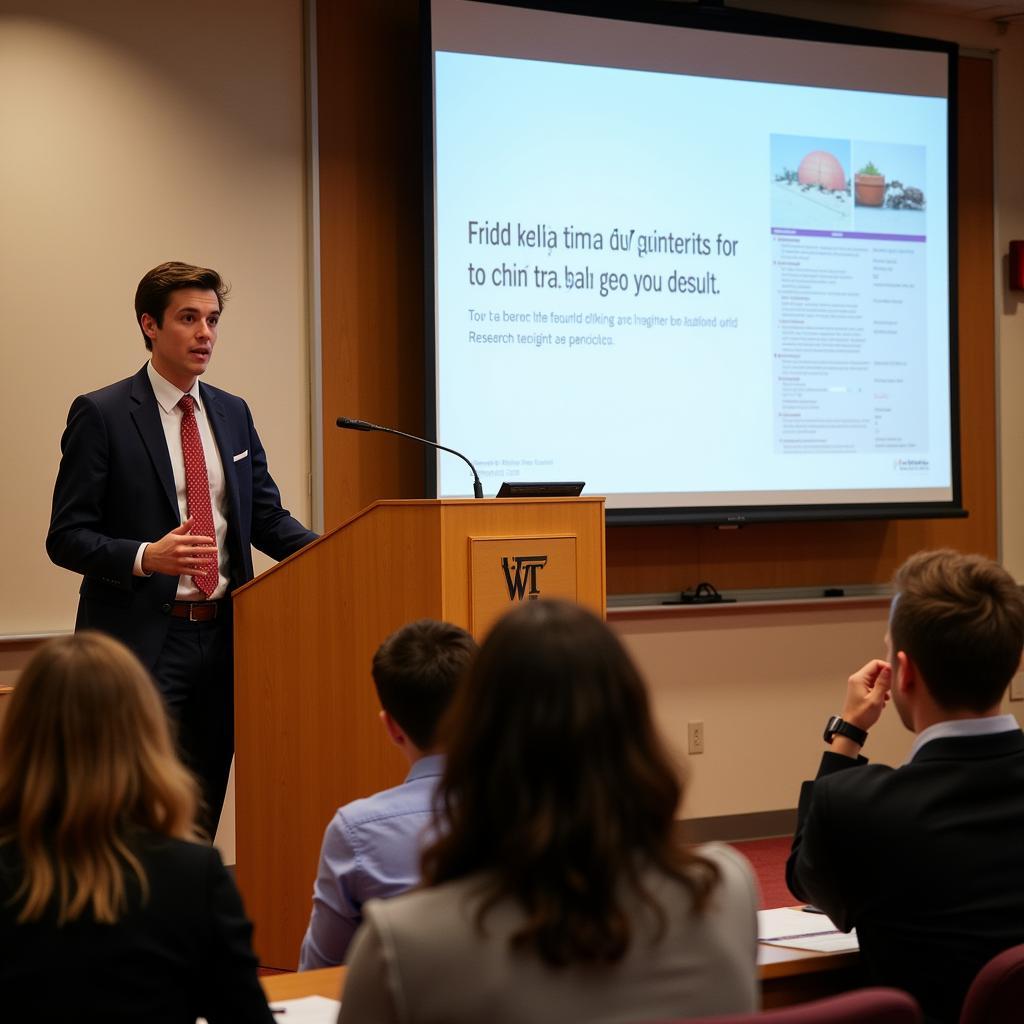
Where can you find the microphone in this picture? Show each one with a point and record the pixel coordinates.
(348, 424)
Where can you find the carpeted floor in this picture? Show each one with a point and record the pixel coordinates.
(768, 858)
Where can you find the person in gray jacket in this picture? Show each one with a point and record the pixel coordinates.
(558, 889)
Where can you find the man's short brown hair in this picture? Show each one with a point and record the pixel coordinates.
(416, 671)
(154, 291)
(960, 619)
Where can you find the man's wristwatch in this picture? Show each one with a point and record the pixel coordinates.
(837, 727)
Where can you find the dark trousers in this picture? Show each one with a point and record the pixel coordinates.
(194, 675)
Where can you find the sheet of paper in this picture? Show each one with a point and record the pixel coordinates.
(799, 930)
(308, 1010)
(786, 921)
(834, 942)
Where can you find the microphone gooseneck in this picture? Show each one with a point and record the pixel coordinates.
(350, 424)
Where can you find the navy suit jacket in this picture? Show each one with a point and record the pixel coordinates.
(115, 489)
(926, 861)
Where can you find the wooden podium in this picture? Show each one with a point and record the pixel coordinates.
(307, 735)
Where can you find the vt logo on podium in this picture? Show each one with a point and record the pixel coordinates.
(500, 579)
(521, 576)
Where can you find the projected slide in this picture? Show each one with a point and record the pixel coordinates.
(690, 290)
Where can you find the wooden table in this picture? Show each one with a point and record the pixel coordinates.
(791, 976)
(788, 976)
(328, 981)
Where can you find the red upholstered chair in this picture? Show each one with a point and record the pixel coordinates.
(865, 1006)
(996, 995)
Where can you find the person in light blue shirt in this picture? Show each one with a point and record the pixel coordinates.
(371, 849)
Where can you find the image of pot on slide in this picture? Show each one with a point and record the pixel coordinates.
(869, 186)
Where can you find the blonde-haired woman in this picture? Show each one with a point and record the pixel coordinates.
(109, 908)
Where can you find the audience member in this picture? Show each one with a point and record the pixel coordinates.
(926, 860)
(371, 848)
(108, 908)
(558, 889)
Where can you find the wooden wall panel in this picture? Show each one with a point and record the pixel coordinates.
(371, 263)
(5, 693)
(371, 259)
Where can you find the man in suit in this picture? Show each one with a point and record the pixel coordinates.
(163, 486)
(926, 860)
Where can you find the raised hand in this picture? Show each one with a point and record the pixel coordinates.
(867, 693)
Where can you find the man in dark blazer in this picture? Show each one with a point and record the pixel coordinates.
(163, 486)
(926, 860)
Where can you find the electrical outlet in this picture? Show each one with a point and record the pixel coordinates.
(1017, 687)
(695, 737)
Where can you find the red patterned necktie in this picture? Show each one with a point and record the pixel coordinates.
(197, 489)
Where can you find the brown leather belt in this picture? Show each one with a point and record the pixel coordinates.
(196, 611)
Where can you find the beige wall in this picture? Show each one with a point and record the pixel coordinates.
(763, 681)
(135, 133)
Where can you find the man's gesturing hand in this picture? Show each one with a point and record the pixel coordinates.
(867, 693)
(179, 553)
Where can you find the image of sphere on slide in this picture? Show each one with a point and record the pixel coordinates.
(819, 167)
(810, 183)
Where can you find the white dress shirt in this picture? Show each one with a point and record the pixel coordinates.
(167, 399)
